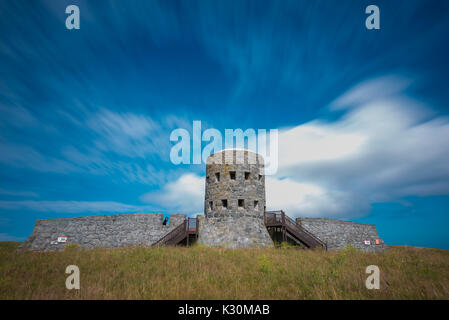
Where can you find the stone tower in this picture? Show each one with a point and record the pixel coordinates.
(234, 200)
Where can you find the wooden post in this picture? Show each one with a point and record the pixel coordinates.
(197, 222)
(186, 229)
(284, 238)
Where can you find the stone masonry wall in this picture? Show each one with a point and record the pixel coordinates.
(108, 231)
(229, 232)
(338, 234)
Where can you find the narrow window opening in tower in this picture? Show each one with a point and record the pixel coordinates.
(260, 177)
(207, 179)
(246, 175)
(224, 203)
(256, 204)
(217, 176)
(211, 205)
(241, 203)
(232, 175)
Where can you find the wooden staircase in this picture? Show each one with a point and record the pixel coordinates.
(184, 233)
(279, 222)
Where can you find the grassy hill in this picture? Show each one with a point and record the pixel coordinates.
(204, 273)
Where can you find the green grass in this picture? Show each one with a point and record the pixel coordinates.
(205, 273)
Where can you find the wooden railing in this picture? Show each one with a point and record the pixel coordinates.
(280, 219)
(192, 225)
(179, 233)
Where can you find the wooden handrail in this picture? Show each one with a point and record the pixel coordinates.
(188, 226)
(280, 218)
(192, 223)
(172, 234)
(312, 235)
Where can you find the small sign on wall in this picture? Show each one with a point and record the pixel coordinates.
(62, 239)
(367, 242)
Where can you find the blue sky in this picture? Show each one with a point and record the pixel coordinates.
(362, 114)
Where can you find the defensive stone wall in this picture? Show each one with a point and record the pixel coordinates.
(231, 232)
(338, 234)
(108, 231)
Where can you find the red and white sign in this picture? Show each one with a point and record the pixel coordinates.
(62, 239)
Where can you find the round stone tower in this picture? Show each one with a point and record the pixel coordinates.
(235, 184)
(234, 200)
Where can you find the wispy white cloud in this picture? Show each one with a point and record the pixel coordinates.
(18, 193)
(186, 195)
(24, 156)
(121, 145)
(75, 206)
(135, 140)
(125, 133)
(313, 200)
(17, 116)
(386, 87)
(386, 146)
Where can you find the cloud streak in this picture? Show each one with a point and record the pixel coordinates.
(121, 144)
(74, 206)
(126, 134)
(18, 193)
